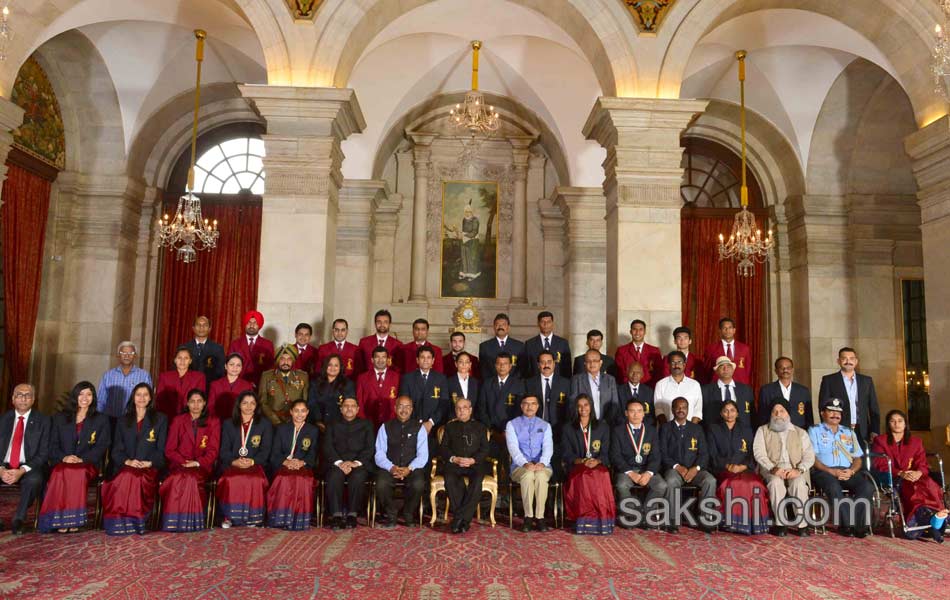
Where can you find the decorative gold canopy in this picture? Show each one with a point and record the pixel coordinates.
(303, 10)
(648, 14)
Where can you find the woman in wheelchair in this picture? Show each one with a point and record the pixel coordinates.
(920, 496)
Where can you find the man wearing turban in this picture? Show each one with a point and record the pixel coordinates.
(256, 350)
(282, 385)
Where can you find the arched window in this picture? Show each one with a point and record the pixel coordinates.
(231, 167)
(712, 177)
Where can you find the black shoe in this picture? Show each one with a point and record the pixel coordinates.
(710, 529)
(337, 523)
(540, 525)
(351, 521)
(465, 526)
(862, 532)
(2, 525)
(526, 525)
(456, 527)
(672, 528)
(387, 522)
(16, 527)
(411, 520)
(779, 530)
(802, 532)
(846, 531)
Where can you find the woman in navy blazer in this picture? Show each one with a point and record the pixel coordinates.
(293, 458)
(78, 442)
(138, 454)
(245, 452)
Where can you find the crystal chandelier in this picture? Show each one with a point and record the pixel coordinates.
(473, 114)
(187, 230)
(6, 34)
(745, 243)
(940, 63)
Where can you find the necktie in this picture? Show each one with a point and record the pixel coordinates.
(380, 342)
(729, 351)
(201, 348)
(339, 346)
(379, 379)
(425, 378)
(636, 353)
(501, 344)
(636, 391)
(250, 342)
(17, 442)
(547, 389)
(728, 392)
(547, 343)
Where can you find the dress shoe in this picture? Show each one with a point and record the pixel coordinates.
(846, 531)
(351, 521)
(672, 528)
(456, 527)
(540, 525)
(2, 525)
(526, 525)
(779, 530)
(465, 526)
(411, 520)
(387, 522)
(710, 529)
(862, 532)
(16, 527)
(802, 532)
(337, 523)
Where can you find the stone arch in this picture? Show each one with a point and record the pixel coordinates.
(901, 31)
(601, 28)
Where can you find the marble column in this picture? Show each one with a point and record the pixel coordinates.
(519, 258)
(642, 189)
(354, 250)
(11, 117)
(422, 152)
(585, 264)
(305, 127)
(930, 150)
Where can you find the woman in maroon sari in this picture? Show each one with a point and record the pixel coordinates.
(174, 386)
(245, 451)
(921, 497)
(138, 453)
(589, 494)
(224, 391)
(293, 457)
(78, 442)
(192, 448)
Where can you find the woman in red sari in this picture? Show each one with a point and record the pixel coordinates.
(921, 497)
(192, 448)
(293, 457)
(245, 451)
(78, 442)
(589, 494)
(174, 386)
(138, 453)
(224, 391)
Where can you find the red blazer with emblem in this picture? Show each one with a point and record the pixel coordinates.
(369, 343)
(171, 391)
(351, 355)
(306, 359)
(695, 368)
(257, 360)
(449, 370)
(650, 357)
(407, 357)
(222, 395)
(377, 402)
(742, 356)
(184, 444)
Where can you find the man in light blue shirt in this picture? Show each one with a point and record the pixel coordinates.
(402, 450)
(116, 384)
(531, 446)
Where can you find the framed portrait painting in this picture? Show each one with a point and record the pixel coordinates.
(469, 239)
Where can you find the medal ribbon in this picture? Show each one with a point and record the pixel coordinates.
(293, 444)
(636, 446)
(586, 432)
(245, 433)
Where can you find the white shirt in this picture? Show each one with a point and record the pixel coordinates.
(463, 383)
(667, 390)
(546, 339)
(725, 349)
(595, 392)
(16, 418)
(722, 390)
(633, 389)
(786, 391)
(501, 341)
(251, 339)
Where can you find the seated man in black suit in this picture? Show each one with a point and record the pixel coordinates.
(595, 341)
(24, 440)
(635, 457)
(783, 388)
(685, 459)
(726, 388)
(547, 341)
(634, 390)
(348, 450)
(463, 452)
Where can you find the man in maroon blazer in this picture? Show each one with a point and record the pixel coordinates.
(256, 350)
(348, 352)
(420, 338)
(382, 320)
(737, 352)
(639, 351)
(457, 342)
(695, 365)
(377, 389)
(306, 353)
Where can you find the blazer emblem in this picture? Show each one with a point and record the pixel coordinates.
(392, 393)
(256, 441)
(455, 397)
(435, 392)
(692, 444)
(747, 408)
(560, 398)
(647, 446)
(514, 361)
(305, 444)
(204, 442)
(801, 408)
(646, 408)
(349, 364)
(92, 438)
(745, 447)
(595, 445)
(511, 400)
(558, 359)
(741, 362)
(209, 362)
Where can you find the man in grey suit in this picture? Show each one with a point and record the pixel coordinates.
(861, 412)
(600, 387)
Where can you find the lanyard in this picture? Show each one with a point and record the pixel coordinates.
(587, 434)
(244, 435)
(293, 444)
(636, 446)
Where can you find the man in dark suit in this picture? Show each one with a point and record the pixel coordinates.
(595, 341)
(546, 340)
(634, 390)
(208, 355)
(685, 459)
(500, 398)
(428, 389)
(726, 388)
(600, 388)
(861, 412)
(489, 349)
(783, 388)
(553, 392)
(24, 440)
(462, 454)
(635, 457)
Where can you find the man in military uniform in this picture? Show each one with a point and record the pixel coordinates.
(463, 451)
(282, 385)
(838, 467)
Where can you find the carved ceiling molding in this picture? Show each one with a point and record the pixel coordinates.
(303, 10)
(648, 14)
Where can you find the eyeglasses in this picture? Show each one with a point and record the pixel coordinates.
(23, 395)
(126, 353)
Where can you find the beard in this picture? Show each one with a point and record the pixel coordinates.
(779, 424)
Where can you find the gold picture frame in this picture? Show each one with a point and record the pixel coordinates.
(469, 239)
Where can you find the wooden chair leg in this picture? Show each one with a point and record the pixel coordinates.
(491, 515)
(511, 508)
(435, 512)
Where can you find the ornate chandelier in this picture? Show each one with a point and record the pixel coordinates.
(473, 114)
(940, 63)
(187, 230)
(745, 243)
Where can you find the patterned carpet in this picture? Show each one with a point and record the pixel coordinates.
(486, 563)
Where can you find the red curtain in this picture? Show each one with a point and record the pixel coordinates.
(23, 217)
(221, 283)
(713, 289)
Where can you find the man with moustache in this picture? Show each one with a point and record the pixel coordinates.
(860, 410)
(677, 385)
(547, 341)
(402, 453)
(685, 458)
(635, 390)
(280, 386)
(256, 350)
(490, 348)
(553, 393)
(783, 388)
